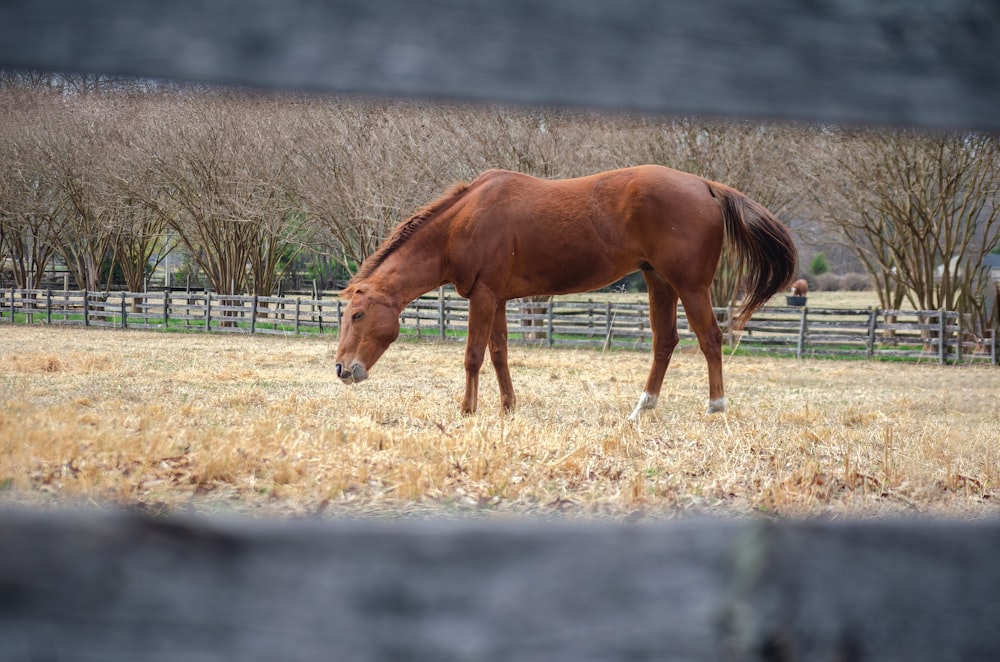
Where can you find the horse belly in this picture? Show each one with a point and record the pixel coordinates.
(564, 273)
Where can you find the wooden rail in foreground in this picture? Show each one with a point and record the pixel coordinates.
(110, 586)
(931, 64)
(931, 336)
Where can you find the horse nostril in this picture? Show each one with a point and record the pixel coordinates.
(340, 370)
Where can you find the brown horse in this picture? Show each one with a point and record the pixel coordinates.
(508, 235)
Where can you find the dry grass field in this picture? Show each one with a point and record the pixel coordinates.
(258, 425)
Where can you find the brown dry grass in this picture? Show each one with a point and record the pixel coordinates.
(166, 422)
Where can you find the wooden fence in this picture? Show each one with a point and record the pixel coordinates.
(934, 336)
(166, 310)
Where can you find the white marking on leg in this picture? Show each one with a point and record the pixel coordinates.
(717, 406)
(646, 401)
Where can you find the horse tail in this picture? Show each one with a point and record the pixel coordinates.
(764, 251)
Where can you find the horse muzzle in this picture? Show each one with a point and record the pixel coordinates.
(353, 374)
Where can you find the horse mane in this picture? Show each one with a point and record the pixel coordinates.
(402, 232)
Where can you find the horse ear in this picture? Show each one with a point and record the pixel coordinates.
(351, 290)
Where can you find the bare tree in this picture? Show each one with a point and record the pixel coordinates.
(224, 175)
(921, 212)
(142, 238)
(88, 235)
(363, 167)
(73, 136)
(30, 207)
(29, 214)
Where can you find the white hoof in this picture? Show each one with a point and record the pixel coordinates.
(646, 401)
(716, 406)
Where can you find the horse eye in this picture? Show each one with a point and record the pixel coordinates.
(358, 315)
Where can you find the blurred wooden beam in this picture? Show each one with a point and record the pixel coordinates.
(87, 585)
(930, 64)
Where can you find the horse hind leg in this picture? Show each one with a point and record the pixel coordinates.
(663, 321)
(701, 317)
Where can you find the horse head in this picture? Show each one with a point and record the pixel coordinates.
(370, 324)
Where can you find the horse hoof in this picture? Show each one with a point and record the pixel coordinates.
(716, 406)
(646, 401)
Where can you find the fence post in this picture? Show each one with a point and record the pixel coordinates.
(730, 331)
(253, 314)
(802, 334)
(872, 320)
(208, 311)
(958, 338)
(416, 312)
(607, 325)
(298, 308)
(48, 305)
(188, 301)
(441, 316)
(942, 329)
(124, 313)
(994, 344)
(318, 307)
(166, 306)
(549, 322)
(942, 343)
(86, 307)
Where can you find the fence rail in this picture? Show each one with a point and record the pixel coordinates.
(933, 336)
(112, 586)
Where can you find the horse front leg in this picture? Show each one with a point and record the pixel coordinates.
(498, 354)
(482, 310)
(663, 321)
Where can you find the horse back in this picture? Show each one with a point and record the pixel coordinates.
(522, 236)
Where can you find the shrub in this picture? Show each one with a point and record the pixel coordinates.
(857, 282)
(819, 265)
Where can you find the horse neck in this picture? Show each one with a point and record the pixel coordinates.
(410, 272)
